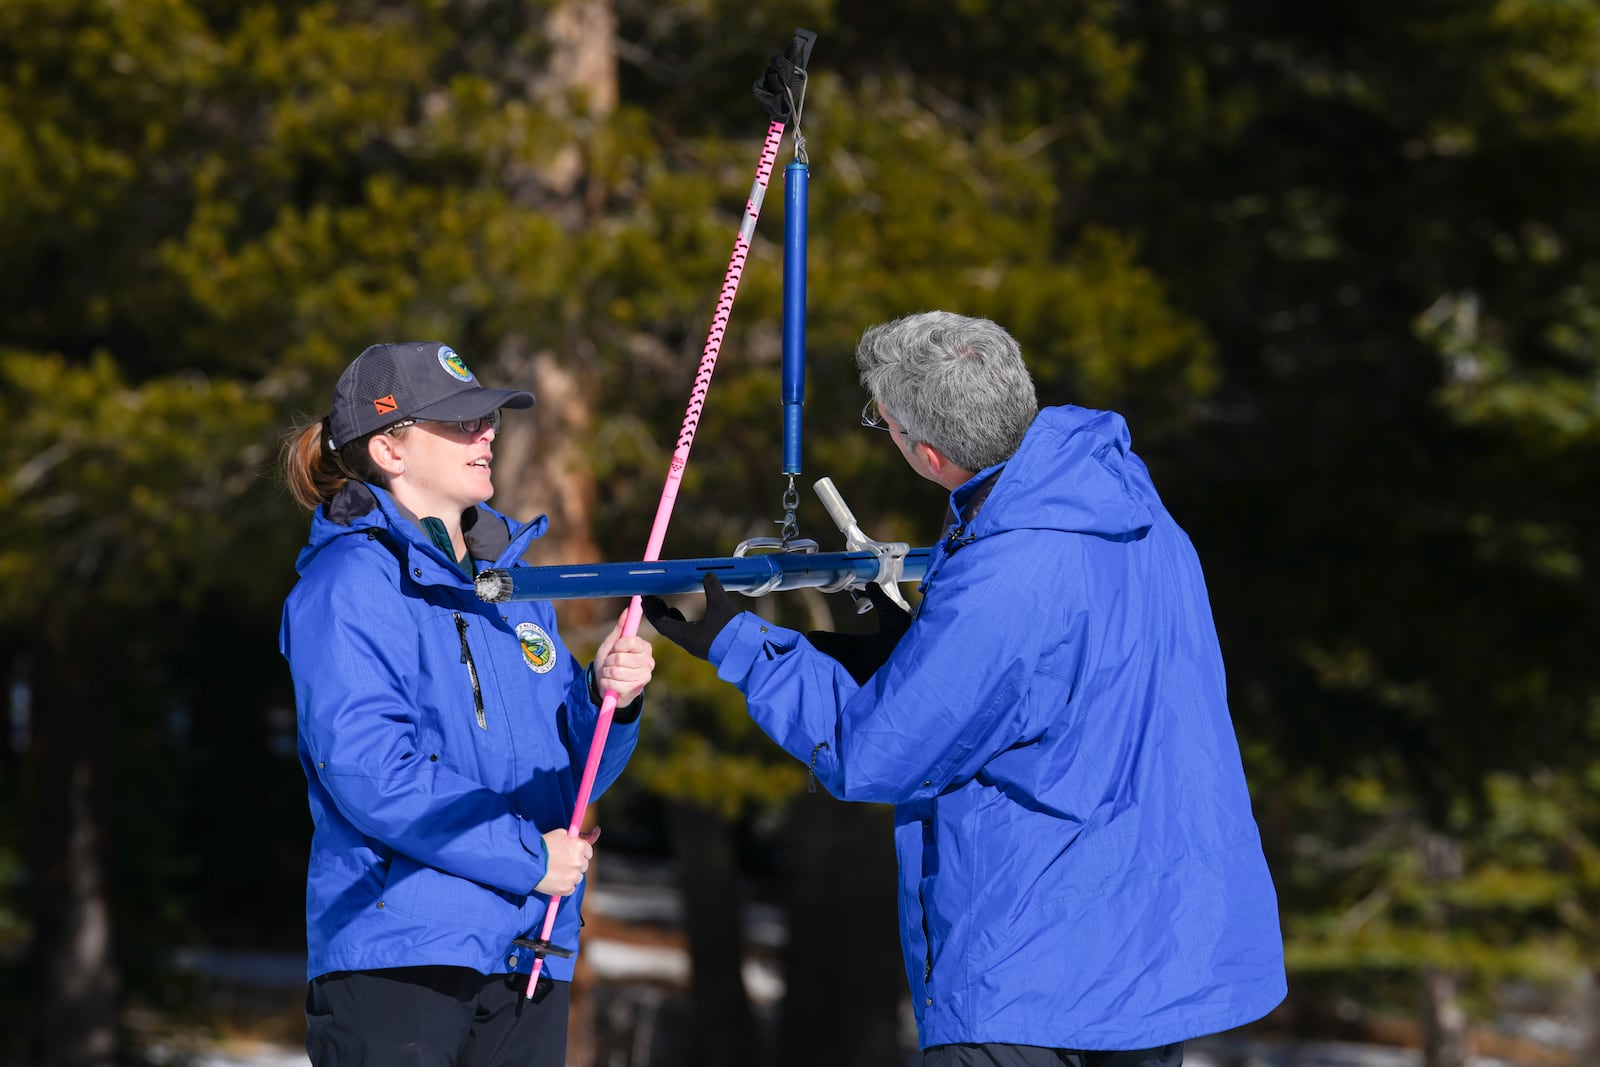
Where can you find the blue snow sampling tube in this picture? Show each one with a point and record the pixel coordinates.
(797, 181)
(752, 575)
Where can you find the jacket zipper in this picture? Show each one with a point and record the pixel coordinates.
(472, 672)
(927, 937)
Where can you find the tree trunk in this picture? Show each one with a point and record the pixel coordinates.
(542, 465)
(1444, 1024)
(843, 969)
(724, 1027)
(76, 983)
(544, 460)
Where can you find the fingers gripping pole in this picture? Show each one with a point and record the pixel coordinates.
(669, 493)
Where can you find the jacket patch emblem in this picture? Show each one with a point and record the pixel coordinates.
(537, 648)
(385, 405)
(454, 364)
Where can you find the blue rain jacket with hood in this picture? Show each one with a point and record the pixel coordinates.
(1079, 865)
(440, 736)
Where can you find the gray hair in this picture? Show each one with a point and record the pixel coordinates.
(954, 382)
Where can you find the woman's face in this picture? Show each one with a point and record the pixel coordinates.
(445, 469)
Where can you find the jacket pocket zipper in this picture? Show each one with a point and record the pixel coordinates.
(472, 672)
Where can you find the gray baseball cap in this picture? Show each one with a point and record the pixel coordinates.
(411, 380)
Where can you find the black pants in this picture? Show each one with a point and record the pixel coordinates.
(434, 1017)
(1033, 1056)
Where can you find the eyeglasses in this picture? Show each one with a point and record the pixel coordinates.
(872, 418)
(470, 427)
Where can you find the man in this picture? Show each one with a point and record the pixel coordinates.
(1081, 879)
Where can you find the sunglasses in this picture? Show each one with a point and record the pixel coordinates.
(470, 427)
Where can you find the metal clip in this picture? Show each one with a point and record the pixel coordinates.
(891, 554)
(791, 503)
(760, 545)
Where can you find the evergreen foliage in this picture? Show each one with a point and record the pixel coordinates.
(1339, 265)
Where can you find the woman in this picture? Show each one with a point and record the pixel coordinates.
(442, 738)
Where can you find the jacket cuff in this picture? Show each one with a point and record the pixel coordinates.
(623, 715)
(735, 650)
(537, 849)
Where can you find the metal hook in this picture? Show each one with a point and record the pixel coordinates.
(796, 107)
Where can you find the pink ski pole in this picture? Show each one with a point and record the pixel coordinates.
(669, 496)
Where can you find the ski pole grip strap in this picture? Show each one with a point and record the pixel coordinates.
(785, 78)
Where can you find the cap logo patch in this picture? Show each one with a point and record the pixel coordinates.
(454, 364)
(537, 648)
(385, 405)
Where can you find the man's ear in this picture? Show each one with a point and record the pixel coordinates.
(385, 456)
(940, 467)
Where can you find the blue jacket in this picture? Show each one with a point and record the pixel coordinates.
(1079, 866)
(440, 736)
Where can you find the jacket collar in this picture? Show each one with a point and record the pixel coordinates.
(966, 502)
(492, 538)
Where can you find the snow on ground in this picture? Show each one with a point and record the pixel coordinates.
(265, 1057)
(618, 962)
(1203, 1053)
(643, 894)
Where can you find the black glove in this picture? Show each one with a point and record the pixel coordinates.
(863, 654)
(694, 637)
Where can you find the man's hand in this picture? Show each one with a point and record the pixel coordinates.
(568, 863)
(863, 654)
(694, 637)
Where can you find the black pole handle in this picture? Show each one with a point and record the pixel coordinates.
(799, 50)
(785, 78)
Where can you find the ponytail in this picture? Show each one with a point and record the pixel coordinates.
(315, 472)
(311, 469)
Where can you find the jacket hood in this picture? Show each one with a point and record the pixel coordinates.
(361, 507)
(1074, 471)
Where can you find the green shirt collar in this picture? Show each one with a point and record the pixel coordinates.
(436, 532)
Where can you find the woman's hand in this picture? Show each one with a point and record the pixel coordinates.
(569, 861)
(623, 664)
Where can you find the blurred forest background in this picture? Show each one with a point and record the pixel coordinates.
(1338, 264)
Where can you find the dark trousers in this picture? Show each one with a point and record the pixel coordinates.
(434, 1017)
(1033, 1056)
